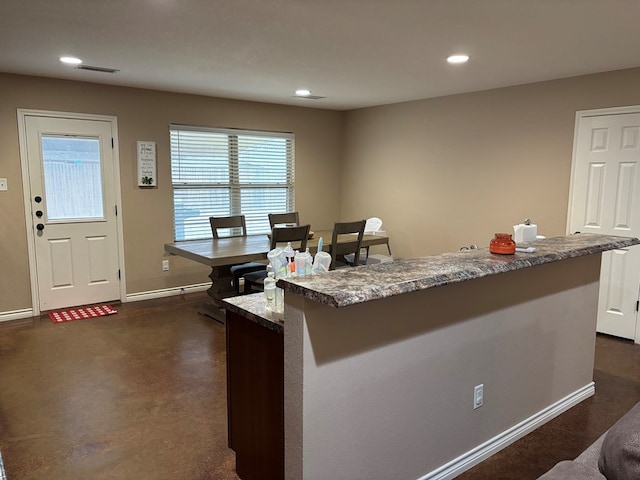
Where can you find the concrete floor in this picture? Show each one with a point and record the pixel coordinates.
(137, 395)
(142, 395)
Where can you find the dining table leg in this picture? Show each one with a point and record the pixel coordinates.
(221, 287)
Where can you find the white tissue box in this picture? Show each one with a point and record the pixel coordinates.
(525, 233)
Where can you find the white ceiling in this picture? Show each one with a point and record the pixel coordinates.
(356, 53)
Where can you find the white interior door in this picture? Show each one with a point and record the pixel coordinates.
(606, 200)
(71, 181)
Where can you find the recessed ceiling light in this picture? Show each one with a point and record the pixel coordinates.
(71, 60)
(302, 92)
(458, 59)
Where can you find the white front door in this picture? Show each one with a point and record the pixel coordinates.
(72, 203)
(606, 199)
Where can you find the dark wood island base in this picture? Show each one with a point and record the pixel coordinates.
(255, 398)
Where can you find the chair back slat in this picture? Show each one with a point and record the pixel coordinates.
(290, 234)
(277, 218)
(233, 221)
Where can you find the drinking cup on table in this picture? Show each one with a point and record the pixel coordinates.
(321, 263)
(278, 261)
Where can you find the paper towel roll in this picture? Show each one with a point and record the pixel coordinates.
(524, 233)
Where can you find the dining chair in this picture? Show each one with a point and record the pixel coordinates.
(235, 222)
(346, 239)
(254, 281)
(281, 235)
(278, 218)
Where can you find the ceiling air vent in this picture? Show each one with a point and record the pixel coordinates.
(309, 97)
(97, 69)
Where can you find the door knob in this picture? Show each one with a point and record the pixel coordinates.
(39, 213)
(38, 198)
(40, 226)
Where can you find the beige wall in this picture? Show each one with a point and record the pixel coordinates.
(147, 217)
(451, 171)
(441, 173)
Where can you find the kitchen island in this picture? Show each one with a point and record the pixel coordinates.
(380, 363)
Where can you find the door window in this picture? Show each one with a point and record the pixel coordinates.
(72, 178)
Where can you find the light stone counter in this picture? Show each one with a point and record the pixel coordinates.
(341, 288)
(253, 307)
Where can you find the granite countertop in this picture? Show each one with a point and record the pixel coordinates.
(350, 286)
(253, 307)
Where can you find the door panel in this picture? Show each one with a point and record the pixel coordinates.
(72, 186)
(98, 248)
(619, 286)
(61, 266)
(624, 197)
(606, 200)
(594, 196)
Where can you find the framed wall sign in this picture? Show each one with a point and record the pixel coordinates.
(147, 164)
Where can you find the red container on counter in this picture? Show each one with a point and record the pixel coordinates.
(502, 244)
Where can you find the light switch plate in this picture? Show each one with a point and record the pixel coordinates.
(3, 184)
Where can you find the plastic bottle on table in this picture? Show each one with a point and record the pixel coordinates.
(300, 264)
(278, 262)
(304, 261)
(308, 262)
(279, 301)
(270, 291)
(289, 255)
(292, 266)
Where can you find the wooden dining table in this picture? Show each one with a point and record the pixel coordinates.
(222, 253)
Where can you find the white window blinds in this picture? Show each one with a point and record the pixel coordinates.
(221, 172)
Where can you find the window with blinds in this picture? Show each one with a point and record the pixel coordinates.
(219, 172)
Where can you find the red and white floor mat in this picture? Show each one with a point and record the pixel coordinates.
(61, 316)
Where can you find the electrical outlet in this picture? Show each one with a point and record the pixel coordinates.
(165, 265)
(478, 396)
(3, 184)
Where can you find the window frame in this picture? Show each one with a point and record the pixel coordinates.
(257, 220)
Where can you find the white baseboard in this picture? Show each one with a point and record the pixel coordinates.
(167, 292)
(471, 458)
(134, 297)
(16, 315)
